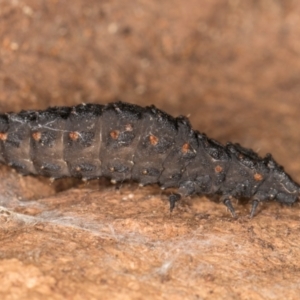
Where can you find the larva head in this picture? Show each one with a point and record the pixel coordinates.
(282, 188)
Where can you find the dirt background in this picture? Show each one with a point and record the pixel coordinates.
(233, 66)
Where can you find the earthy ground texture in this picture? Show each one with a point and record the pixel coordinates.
(233, 66)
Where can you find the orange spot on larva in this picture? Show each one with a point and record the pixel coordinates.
(218, 169)
(153, 140)
(185, 148)
(114, 134)
(258, 177)
(74, 135)
(78, 169)
(3, 136)
(36, 135)
(128, 127)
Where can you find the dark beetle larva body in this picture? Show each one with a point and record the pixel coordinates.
(124, 141)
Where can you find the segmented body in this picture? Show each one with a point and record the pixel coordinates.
(127, 142)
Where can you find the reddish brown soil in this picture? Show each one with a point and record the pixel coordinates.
(233, 66)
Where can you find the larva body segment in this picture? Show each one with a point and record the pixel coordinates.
(82, 141)
(123, 141)
(47, 141)
(180, 156)
(120, 134)
(156, 141)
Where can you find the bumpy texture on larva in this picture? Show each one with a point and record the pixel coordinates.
(124, 141)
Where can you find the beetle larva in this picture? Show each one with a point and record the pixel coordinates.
(122, 142)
